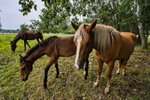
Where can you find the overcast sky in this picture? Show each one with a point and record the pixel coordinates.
(12, 18)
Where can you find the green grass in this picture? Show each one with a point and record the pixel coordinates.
(70, 85)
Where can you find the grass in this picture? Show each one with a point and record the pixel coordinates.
(70, 85)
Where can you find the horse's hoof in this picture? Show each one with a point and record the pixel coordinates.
(95, 84)
(117, 72)
(45, 86)
(124, 74)
(106, 91)
(85, 78)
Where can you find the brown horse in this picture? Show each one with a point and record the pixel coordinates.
(25, 35)
(54, 47)
(110, 45)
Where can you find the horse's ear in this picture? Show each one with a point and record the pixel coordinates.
(93, 24)
(74, 26)
(21, 56)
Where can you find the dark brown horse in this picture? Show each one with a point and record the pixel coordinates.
(110, 45)
(54, 47)
(25, 35)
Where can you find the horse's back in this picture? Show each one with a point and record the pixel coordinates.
(66, 46)
(128, 42)
(128, 35)
(122, 48)
(30, 34)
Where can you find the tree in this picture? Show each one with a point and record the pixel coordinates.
(34, 24)
(143, 16)
(122, 14)
(24, 27)
(51, 21)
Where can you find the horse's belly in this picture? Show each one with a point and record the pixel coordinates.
(125, 52)
(67, 51)
(31, 38)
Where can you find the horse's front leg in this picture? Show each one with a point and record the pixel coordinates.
(86, 69)
(57, 69)
(109, 75)
(100, 66)
(50, 63)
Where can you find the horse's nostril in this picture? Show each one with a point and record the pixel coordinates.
(24, 78)
(80, 66)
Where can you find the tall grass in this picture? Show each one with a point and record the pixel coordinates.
(70, 85)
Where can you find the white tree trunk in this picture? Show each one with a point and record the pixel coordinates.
(143, 38)
(140, 26)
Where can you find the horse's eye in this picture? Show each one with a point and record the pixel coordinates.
(87, 43)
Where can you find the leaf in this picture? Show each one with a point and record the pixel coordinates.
(35, 7)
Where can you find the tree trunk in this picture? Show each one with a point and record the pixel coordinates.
(142, 35)
(140, 25)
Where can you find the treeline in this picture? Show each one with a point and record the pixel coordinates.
(8, 31)
(124, 15)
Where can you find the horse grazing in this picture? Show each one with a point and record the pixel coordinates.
(25, 35)
(54, 47)
(110, 45)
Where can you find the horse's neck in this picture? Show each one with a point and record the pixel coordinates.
(16, 38)
(36, 54)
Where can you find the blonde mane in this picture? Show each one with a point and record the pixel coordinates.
(104, 37)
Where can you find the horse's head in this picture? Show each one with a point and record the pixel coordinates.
(26, 68)
(13, 45)
(83, 41)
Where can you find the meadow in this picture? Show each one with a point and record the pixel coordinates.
(71, 84)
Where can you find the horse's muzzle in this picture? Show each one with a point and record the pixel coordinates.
(24, 78)
(79, 65)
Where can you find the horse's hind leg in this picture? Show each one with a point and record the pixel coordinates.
(123, 66)
(24, 45)
(38, 40)
(57, 69)
(119, 68)
(50, 63)
(28, 44)
(109, 75)
(86, 69)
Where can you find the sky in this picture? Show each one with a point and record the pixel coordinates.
(12, 18)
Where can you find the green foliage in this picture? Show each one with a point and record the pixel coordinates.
(52, 21)
(24, 27)
(122, 14)
(26, 6)
(34, 25)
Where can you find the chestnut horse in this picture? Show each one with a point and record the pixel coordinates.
(54, 47)
(25, 35)
(110, 45)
